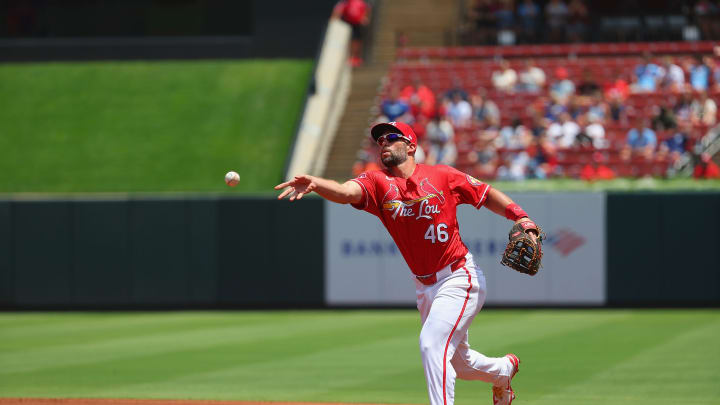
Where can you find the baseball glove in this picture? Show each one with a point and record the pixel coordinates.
(522, 253)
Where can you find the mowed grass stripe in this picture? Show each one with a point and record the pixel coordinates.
(383, 377)
(569, 357)
(346, 361)
(492, 329)
(99, 328)
(581, 354)
(167, 343)
(678, 371)
(161, 358)
(579, 359)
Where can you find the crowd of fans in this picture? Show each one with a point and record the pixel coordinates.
(552, 21)
(560, 113)
(560, 21)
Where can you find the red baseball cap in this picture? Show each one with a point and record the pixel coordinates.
(397, 127)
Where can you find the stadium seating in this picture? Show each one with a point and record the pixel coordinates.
(612, 49)
(471, 68)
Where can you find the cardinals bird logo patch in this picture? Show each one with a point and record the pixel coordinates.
(472, 180)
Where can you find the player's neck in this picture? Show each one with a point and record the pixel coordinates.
(404, 169)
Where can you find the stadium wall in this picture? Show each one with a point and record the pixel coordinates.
(603, 249)
(663, 249)
(161, 253)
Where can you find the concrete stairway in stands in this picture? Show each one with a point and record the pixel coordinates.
(424, 22)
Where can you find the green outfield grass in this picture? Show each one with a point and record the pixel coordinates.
(572, 357)
(147, 126)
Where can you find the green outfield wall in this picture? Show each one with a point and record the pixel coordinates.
(663, 249)
(161, 253)
(603, 249)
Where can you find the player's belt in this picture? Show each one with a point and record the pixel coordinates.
(431, 279)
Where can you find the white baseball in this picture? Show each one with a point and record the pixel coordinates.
(232, 179)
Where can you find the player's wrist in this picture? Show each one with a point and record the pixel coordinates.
(514, 212)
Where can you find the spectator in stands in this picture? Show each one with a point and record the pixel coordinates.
(553, 110)
(538, 125)
(419, 126)
(459, 111)
(485, 161)
(618, 88)
(574, 106)
(712, 65)
(716, 76)
(647, 75)
(515, 167)
(563, 132)
(706, 168)
(562, 88)
(543, 155)
(441, 148)
(597, 170)
(457, 88)
(484, 109)
(556, 14)
(591, 135)
(674, 147)
(578, 21)
(597, 109)
(682, 108)
(617, 110)
(394, 107)
(528, 12)
(515, 136)
(532, 79)
(357, 14)
(588, 86)
(420, 98)
(482, 13)
(485, 157)
(582, 139)
(641, 139)
(699, 75)
(504, 79)
(505, 15)
(673, 78)
(703, 110)
(663, 116)
(706, 14)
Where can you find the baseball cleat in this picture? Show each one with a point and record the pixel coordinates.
(505, 395)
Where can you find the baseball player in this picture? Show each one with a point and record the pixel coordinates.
(417, 204)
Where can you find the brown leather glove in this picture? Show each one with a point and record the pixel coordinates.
(522, 252)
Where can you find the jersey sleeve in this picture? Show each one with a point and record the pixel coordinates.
(467, 189)
(369, 202)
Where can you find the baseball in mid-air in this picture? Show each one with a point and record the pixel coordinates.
(232, 179)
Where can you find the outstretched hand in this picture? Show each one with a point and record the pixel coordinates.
(298, 187)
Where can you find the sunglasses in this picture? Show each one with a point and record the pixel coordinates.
(391, 138)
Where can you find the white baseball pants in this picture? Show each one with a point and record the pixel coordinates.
(447, 308)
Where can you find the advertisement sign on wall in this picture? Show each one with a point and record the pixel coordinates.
(364, 267)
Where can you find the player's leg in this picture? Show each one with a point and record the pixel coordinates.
(454, 303)
(471, 365)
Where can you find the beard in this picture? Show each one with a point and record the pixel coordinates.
(396, 158)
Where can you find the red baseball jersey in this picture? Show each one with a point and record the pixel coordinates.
(421, 212)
